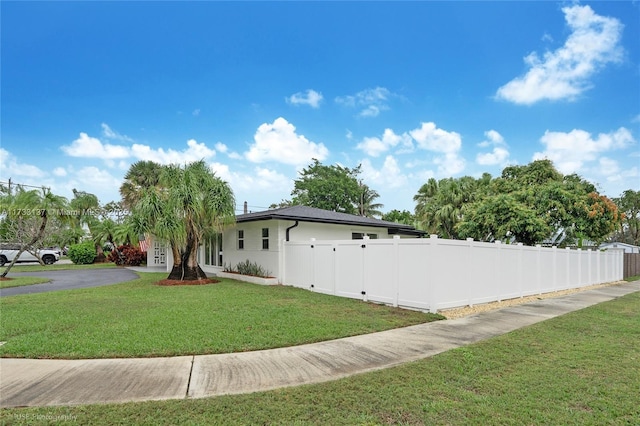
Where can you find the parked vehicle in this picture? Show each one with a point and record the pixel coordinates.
(9, 251)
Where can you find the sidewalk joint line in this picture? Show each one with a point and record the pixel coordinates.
(193, 360)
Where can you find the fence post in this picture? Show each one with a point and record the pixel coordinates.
(555, 268)
(396, 270)
(538, 268)
(496, 269)
(580, 283)
(312, 270)
(363, 283)
(470, 277)
(433, 303)
(589, 266)
(520, 269)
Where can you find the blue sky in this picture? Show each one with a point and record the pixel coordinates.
(409, 90)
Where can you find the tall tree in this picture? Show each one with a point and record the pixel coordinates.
(629, 204)
(404, 217)
(40, 205)
(86, 208)
(439, 204)
(366, 203)
(188, 204)
(334, 188)
(141, 176)
(534, 203)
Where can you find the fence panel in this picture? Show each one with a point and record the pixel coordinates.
(299, 255)
(482, 284)
(349, 269)
(380, 271)
(631, 264)
(447, 268)
(414, 275)
(433, 274)
(324, 267)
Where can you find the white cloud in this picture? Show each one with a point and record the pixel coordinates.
(196, 112)
(431, 138)
(388, 176)
(310, 97)
(89, 147)
(11, 167)
(109, 133)
(495, 157)
(499, 154)
(375, 146)
(565, 72)
(279, 142)
(220, 147)
(371, 101)
(59, 171)
(195, 151)
(570, 151)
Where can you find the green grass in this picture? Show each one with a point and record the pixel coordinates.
(633, 278)
(22, 281)
(577, 369)
(139, 319)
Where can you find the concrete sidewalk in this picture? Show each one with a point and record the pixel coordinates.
(25, 382)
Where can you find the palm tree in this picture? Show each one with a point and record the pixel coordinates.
(189, 203)
(439, 204)
(366, 206)
(42, 204)
(141, 176)
(85, 207)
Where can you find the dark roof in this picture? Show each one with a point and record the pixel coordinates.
(312, 214)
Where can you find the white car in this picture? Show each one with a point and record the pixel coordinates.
(9, 251)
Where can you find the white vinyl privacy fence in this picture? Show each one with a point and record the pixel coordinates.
(433, 274)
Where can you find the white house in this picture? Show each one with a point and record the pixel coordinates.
(258, 237)
(628, 248)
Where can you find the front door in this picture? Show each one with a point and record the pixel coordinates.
(159, 253)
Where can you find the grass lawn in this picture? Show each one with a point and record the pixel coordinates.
(577, 369)
(139, 319)
(21, 281)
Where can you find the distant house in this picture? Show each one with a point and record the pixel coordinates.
(628, 248)
(259, 237)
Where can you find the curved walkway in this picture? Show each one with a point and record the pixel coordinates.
(26, 382)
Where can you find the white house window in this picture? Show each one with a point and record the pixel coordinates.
(361, 235)
(240, 239)
(265, 238)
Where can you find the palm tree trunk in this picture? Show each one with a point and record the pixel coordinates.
(188, 269)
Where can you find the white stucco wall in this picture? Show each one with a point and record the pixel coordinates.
(270, 259)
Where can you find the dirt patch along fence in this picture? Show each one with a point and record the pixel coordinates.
(631, 264)
(434, 274)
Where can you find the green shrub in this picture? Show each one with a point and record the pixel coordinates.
(248, 268)
(83, 253)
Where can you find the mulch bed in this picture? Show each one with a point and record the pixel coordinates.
(187, 282)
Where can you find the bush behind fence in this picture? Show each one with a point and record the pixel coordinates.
(433, 274)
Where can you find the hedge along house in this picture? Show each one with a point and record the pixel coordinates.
(259, 237)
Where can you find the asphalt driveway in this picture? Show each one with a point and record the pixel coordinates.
(69, 280)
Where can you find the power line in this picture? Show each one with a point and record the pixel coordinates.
(9, 183)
